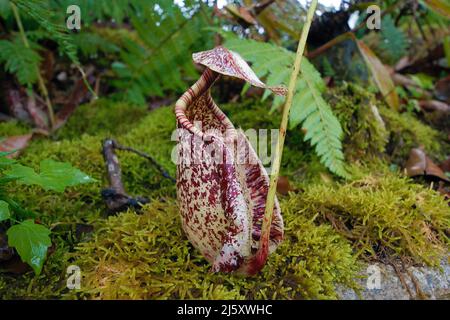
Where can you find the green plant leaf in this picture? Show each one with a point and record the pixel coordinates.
(20, 60)
(31, 242)
(53, 175)
(4, 211)
(394, 40)
(4, 160)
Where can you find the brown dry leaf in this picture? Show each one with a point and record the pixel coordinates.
(380, 74)
(283, 185)
(443, 89)
(440, 6)
(271, 25)
(419, 164)
(38, 116)
(15, 265)
(14, 143)
(241, 13)
(445, 165)
(434, 105)
(79, 93)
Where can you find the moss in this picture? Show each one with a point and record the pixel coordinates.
(384, 215)
(102, 118)
(372, 130)
(83, 204)
(365, 136)
(13, 128)
(407, 132)
(148, 257)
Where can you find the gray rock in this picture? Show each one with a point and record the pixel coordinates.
(380, 282)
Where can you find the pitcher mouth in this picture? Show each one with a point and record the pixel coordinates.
(218, 61)
(188, 98)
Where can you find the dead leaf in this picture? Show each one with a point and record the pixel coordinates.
(445, 165)
(443, 89)
(242, 14)
(440, 6)
(380, 74)
(419, 164)
(6, 252)
(15, 143)
(78, 94)
(15, 100)
(283, 185)
(434, 105)
(39, 117)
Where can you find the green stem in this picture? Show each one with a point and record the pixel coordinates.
(41, 82)
(267, 221)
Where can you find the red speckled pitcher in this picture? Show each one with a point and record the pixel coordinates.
(221, 184)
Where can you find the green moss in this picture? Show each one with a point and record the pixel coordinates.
(407, 132)
(13, 128)
(385, 216)
(365, 136)
(372, 130)
(102, 118)
(83, 203)
(148, 257)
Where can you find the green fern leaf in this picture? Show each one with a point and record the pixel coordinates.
(51, 22)
(393, 39)
(157, 61)
(309, 109)
(5, 9)
(20, 60)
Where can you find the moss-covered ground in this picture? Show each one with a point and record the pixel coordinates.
(331, 226)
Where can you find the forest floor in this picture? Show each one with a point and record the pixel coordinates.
(333, 229)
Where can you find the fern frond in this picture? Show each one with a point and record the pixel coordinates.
(89, 44)
(393, 39)
(94, 10)
(323, 129)
(5, 9)
(54, 24)
(20, 60)
(157, 61)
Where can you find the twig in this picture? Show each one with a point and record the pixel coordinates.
(116, 198)
(402, 279)
(164, 173)
(270, 202)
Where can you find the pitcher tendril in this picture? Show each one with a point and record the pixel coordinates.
(268, 214)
